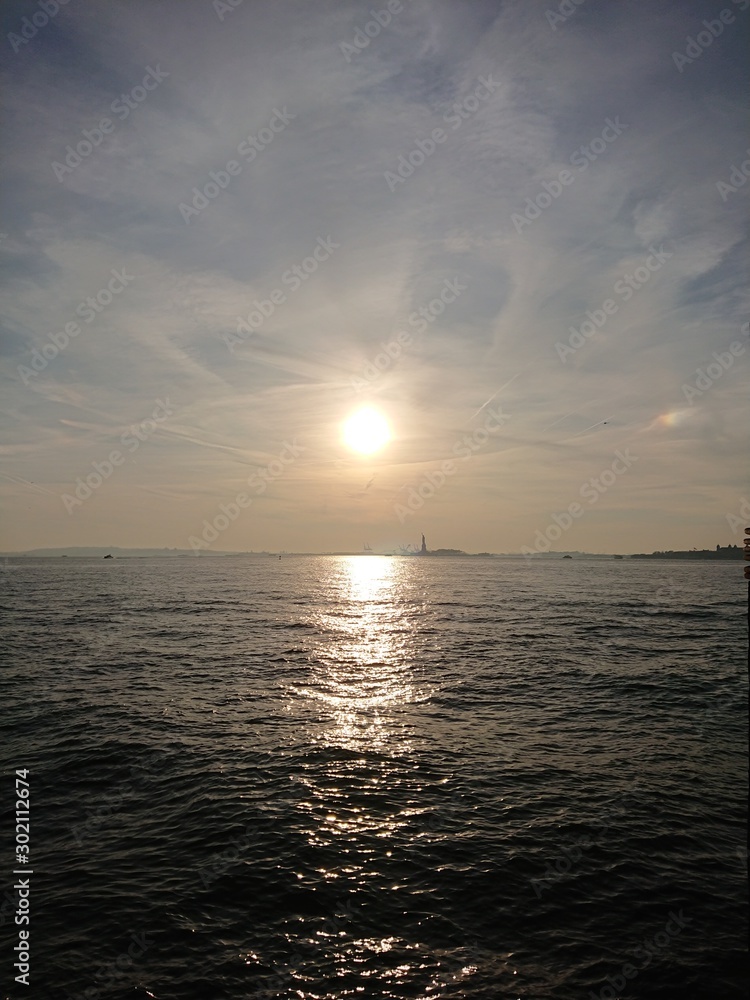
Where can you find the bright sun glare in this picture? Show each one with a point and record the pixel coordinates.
(366, 431)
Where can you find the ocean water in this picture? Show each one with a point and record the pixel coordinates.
(328, 777)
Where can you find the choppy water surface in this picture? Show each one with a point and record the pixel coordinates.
(380, 777)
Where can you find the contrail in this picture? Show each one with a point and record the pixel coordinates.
(163, 493)
(499, 391)
(598, 424)
(33, 486)
(559, 419)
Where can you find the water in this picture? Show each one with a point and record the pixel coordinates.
(342, 777)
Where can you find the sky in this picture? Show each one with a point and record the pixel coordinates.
(515, 230)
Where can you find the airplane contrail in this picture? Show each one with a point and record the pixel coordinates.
(554, 422)
(598, 424)
(499, 391)
(33, 486)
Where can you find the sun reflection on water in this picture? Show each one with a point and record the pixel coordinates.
(361, 769)
(368, 785)
(363, 671)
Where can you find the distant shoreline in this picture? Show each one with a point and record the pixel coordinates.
(717, 555)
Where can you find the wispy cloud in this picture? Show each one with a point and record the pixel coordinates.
(220, 83)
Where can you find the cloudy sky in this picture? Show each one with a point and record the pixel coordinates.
(511, 228)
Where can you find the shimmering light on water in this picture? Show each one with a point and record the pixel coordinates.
(327, 778)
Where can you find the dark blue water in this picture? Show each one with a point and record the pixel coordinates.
(344, 777)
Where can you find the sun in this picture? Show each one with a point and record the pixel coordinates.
(366, 431)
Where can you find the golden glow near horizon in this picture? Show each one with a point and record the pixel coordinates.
(366, 431)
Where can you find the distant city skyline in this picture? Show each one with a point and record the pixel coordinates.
(307, 277)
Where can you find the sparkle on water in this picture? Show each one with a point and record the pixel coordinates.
(373, 762)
